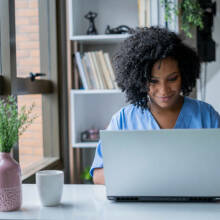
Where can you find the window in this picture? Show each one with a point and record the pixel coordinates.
(33, 26)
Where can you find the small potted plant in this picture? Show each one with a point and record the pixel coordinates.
(85, 176)
(12, 124)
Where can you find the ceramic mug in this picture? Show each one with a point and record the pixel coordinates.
(50, 186)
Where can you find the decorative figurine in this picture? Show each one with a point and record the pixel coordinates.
(91, 135)
(91, 17)
(122, 29)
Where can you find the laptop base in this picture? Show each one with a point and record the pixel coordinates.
(162, 199)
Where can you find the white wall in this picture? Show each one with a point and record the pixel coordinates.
(213, 68)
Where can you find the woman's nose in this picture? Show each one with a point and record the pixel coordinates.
(164, 89)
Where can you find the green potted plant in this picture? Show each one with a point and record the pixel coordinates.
(12, 124)
(86, 175)
(189, 12)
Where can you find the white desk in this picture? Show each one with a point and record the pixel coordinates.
(89, 202)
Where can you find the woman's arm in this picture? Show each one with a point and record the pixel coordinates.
(98, 176)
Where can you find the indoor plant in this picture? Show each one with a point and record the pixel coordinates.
(86, 175)
(189, 12)
(12, 124)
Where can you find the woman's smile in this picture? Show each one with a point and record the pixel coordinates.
(166, 98)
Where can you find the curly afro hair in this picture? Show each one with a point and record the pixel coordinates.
(136, 56)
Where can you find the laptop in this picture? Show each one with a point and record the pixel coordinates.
(162, 165)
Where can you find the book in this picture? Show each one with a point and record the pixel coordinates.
(109, 65)
(86, 74)
(81, 70)
(95, 76)
(95, 70)
(99, 77)
(100, 70)
(105, 70)
(89, 71)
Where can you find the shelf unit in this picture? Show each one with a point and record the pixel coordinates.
(94, 108)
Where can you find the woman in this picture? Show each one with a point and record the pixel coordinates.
(156, 71)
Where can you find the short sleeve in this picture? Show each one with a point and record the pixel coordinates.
(98, 159)
(215, 118)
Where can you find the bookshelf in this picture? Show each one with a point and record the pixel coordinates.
(93, 108)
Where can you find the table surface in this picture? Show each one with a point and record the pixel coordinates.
(89, 202)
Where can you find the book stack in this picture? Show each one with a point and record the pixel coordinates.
(144, 13)
(95, 70)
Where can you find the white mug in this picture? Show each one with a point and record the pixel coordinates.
(50, 186)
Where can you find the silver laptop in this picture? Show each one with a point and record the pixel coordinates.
(162, 165)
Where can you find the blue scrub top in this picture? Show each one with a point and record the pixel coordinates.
(194, 114)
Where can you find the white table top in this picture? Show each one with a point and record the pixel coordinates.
(89, 202)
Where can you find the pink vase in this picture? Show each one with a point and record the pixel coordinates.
(10, 183)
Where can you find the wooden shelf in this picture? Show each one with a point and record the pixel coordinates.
(95, 91)
(85, 145)
(106, 38)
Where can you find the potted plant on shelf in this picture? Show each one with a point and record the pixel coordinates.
(12, 124)
(189, 12)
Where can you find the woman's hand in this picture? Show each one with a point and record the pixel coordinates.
(98, 176)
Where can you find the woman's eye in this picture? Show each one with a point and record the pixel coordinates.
(153, 81)
(173, 79)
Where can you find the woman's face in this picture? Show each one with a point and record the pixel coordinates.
(165, 84)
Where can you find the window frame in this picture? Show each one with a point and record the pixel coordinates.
(52, 97)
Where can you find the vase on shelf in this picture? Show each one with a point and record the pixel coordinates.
(10, 183)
